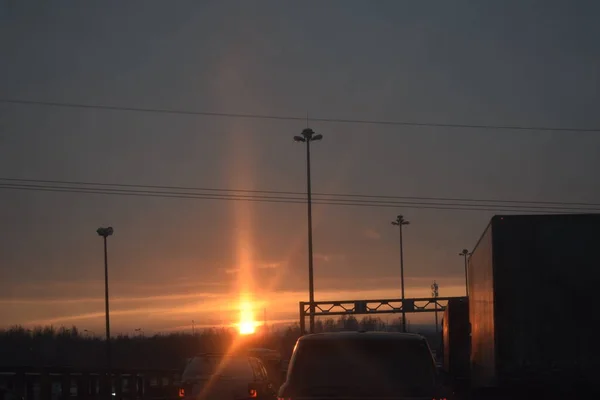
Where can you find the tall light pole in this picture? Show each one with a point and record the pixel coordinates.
(434, 294)
(308, 136)
(399, 222)
(465, 253)
(105, 233)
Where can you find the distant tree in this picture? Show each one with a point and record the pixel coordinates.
(49, 331)
(49, 346)
(329, 325)
(348, 323)
(319, 327)
(370, 323)
(396, 324)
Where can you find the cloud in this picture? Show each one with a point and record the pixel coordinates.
(230, 271)
(86, 316)
(322, 257)
(372, 234)
(116, 299)
(270, 265)
(189, 327)
(328, 257)
(218, 305)
(81, 289)
(165, 314)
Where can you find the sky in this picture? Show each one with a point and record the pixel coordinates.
(174, 261)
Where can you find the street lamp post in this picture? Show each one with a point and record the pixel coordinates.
(105, 233)
(399, 222)
(308, 136)
(465, 253)
(435, 294)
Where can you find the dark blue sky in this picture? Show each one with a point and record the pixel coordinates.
(473, 62)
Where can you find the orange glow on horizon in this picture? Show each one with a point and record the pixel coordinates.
(247, 324)
(247, 328)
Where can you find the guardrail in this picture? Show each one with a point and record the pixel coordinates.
(63, 383)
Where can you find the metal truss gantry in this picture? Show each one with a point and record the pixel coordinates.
(382, 306)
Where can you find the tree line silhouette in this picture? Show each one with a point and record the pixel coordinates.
(69, 347)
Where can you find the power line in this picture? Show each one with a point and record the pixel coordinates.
(331, 196)
(290, 118)
(272, 199)
(301, 200)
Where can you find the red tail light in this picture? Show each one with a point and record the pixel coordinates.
(181, 393)
(252, 393)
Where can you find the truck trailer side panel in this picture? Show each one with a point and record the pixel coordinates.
(481, 312)
(455, 338)
(531, 285)
(544, 268)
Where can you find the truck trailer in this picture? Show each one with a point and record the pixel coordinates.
(456, 341)
(532, 279)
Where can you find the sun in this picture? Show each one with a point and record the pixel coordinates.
(247, 328)
(247, 324)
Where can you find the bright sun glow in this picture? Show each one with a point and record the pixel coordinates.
(247, 328)
(247, 325)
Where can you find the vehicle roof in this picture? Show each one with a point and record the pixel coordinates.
(241, 353)
(263, 352)
(236, 365)
(262, 349)
(361, 335)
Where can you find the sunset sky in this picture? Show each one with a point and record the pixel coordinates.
(177, 260)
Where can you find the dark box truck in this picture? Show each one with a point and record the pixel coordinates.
(532, 279)
(455, 341)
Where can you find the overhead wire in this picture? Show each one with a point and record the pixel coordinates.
(291, 200)
(319, 198)
(292, 118)
(335, 196)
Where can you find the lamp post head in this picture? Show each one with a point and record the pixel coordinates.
(105, 232)
(308, 135)
(400, 221)
(465, 253)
